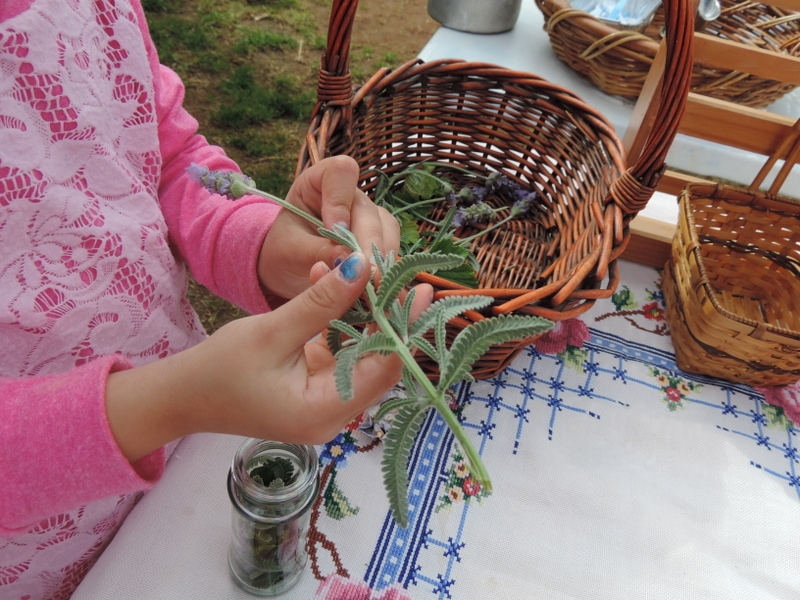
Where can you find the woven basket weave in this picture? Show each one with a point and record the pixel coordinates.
(732, 284)
(618, 61)
(485, 118)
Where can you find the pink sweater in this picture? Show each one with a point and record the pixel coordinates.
(98, 224)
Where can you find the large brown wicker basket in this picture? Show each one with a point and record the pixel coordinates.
(485, 118)
(618, 61)
(732, 284)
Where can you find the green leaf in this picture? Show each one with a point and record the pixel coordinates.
(476, 339)
(333, 338)
(409, 233)
(440, 335)
(348, 356)
(421, 185)
(347, 329)
(397, 448)
(382, 189)
(404, 270)
(425, 346)
(274, 472)
(337, 506)
(466, 273)
(398, 403)
(451, 306)
(341, 235)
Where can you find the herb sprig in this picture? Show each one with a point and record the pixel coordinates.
(350, 338)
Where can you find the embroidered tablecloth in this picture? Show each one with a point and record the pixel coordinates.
(615, 476)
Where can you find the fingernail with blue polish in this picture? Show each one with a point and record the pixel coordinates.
(352, 266)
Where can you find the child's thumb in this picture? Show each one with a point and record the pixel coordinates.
(329, 298)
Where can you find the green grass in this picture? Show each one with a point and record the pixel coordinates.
(252, 96)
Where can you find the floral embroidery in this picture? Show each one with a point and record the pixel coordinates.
(776, 417)
(653, 310)
(335, 587)
(460, 485)
(786, 398)
(675, 388)
(566, 340)
(338, 449)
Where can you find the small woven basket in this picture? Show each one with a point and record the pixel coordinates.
(617, 61)
(732, 284)
(484, 118)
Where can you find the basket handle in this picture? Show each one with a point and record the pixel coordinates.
(790, 148)
(334, 86)
(658, 111)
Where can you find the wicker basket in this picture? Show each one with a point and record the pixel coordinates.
(732, 284)
(618, 61)
(486, 118)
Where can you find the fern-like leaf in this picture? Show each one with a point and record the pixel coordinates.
(347, 329)
(476, 339)
(403, 271)
(397, 447)
(397, 404)
(425, 346)
(451, 306)
(409, 383)
(333, 338)
(440, 335)
(341, 235)
(348, 356)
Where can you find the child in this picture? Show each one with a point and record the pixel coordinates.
(104, 365)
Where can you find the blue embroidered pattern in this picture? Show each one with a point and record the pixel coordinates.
(543, 388)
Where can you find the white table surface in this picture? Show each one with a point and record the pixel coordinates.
(605, 488)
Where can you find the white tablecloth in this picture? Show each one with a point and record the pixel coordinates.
(615, 475)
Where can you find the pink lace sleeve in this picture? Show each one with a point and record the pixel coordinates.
(62, 454)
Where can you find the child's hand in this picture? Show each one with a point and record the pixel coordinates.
(328, 190)
(259, 376)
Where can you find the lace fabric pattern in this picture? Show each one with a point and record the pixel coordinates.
(86, 268)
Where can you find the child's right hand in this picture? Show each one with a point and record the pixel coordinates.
(259, 376)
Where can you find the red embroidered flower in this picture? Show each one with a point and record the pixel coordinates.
(572, 332)
(336, 587)
(673, 395)
(653, 311)
(471, 487)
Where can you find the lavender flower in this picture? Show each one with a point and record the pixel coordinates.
(498, 183)
(478, 213)
(226, 183)
(524, 203)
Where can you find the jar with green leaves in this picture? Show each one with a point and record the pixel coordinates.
(272, 486)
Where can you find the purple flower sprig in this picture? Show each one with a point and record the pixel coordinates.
(236, 185)
(225, 183)
(471, 207)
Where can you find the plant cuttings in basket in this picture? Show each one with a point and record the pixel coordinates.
(436, 216)
(393, 331)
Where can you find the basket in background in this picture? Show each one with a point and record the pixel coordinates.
(732, 284)
(484, 118)
(617, 61)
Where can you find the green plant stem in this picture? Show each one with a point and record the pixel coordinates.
(468, 239)
(413, 205)
(477, 468)
(287, 205)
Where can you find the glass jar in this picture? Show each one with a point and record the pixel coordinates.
(272, 486)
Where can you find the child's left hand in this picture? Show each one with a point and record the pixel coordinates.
(328, 190)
